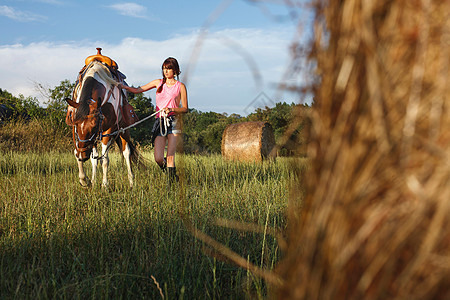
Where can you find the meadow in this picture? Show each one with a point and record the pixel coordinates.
(59, 240)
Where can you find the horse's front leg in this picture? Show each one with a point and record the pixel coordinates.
(105, 165)
(94, 162)
(127, 155)
(84, 180)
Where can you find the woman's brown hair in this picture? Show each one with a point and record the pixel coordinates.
(169, 63)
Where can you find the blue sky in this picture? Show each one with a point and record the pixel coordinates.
(242, 57)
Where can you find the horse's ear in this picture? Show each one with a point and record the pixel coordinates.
(72, 103)
(70, 115)
(71, 111)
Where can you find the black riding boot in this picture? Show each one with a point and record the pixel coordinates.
(163, 166)
(173, 177)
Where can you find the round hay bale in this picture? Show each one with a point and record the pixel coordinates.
(248, 141)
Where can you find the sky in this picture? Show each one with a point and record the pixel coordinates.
(233, 54)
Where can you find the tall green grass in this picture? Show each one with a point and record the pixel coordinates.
(58, 240)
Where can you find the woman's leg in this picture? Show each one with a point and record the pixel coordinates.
(159, 147)
(171, 149)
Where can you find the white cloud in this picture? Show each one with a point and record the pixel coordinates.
(22, 16)
(130, 9)
(222, 79)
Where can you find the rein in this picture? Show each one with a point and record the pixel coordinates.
(98, 136)
(122, 130)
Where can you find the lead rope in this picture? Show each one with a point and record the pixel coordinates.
(163, 120)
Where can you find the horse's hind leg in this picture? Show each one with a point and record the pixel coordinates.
(127, 155)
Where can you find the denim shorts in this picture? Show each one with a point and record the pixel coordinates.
(173, 128)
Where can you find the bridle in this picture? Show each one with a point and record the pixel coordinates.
(96, 136)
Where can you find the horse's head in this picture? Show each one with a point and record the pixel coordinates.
(86, 118)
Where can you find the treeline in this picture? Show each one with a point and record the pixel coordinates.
(202, 131)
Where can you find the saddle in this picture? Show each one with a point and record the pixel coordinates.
(128, 114)
(104, 59)
(127, 110)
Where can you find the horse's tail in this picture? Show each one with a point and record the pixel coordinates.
(137, 159)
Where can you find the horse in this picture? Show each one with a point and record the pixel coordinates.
(96, 113)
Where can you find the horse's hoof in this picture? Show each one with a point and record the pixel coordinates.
(85, 184)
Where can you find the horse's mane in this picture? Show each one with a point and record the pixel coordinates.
(86, 95)
(87, 85)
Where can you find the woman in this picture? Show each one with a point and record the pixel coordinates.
(171, 99)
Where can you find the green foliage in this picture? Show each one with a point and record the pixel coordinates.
(22, 107)
(57, 105)
(202, 132)
(5, 96)
(59, 94)
(279, 117)
(143, 107)
(213, 136)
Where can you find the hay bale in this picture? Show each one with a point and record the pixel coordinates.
(374, 221)
(248, 141)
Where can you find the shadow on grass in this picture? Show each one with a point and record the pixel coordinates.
(138, 260)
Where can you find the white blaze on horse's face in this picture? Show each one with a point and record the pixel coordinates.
(82, 127)
(79, 156)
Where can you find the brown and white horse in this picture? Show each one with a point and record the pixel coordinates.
(95, 112)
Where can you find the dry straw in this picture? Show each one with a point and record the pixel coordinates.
(375, 218)
(248, 141)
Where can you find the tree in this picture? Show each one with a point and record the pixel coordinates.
(143, 107)
(56, 104)
(21, 107)
(203, 131)
(212, 137)
(280, 117)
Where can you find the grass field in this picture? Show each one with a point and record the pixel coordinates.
(58, 240)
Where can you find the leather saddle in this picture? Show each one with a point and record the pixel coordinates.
(127, 110)
(128, 114)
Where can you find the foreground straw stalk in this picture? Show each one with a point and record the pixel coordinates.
(375, 222)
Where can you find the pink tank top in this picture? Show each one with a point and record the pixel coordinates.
(169, 97)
